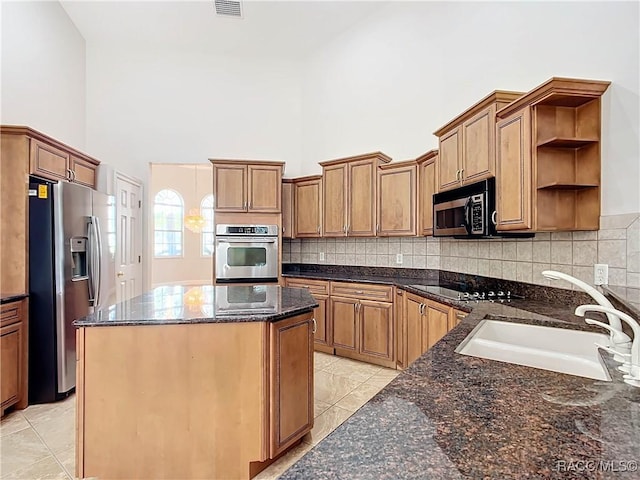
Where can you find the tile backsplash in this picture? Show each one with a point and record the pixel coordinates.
(617, 244)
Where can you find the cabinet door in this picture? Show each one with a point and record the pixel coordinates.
(437, 316)
(287, 210)
(334, 180)
(449, 160)
(427, 176)
(397, 201)
(307, 202)
(83, 172)
(11, 367)
(264, 190)
(478, 137)
(48, 162)
(400, 329)
(230, 187)
(345, 323)
(376, 329)
(362, 198)
(291, 381)
(513, 172)
(323, 332)
(414, 328)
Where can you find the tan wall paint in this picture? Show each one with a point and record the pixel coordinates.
(193, 182)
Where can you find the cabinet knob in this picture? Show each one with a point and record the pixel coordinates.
(461, 173)
(318, 228)
(315, 326)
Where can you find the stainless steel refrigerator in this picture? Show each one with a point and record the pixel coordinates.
(71, 272)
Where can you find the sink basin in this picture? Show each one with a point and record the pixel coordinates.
(557, 349)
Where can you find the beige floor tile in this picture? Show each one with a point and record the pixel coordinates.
(325, 424)
(319, 407)
(330, 388)
(20, 450)
(382, 378)
(46, 469)
(58, 433)
(13, 422)
(323, 360)
(47, 411)
(358, 397)
(352, 369)
(278, 467)
(68, 460)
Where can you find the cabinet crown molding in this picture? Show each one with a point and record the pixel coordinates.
(245, 162)
(31, 133)
(307, 178)
(430, 155)
(559, 91)
(402, 164)
(381, 157)
(497, 96)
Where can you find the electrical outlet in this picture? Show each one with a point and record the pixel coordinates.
(601, 274)
(322, 256)
(399, 258)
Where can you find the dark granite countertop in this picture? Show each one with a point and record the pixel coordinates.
(6, 297)
(176, 304)
(452, 416)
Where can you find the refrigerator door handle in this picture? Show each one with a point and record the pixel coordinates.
(94, 261)
(98, 260)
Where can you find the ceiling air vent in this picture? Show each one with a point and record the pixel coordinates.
(228, 8)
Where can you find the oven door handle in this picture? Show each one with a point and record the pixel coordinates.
(244, 240)
(467, 213)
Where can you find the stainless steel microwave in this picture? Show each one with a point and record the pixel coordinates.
(467, 211)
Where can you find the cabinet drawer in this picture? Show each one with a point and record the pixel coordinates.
(362, 291)
(316, 287)
(10, 313)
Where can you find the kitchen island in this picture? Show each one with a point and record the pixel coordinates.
(452, 416)
(202, 382)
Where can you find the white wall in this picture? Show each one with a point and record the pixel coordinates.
(177, 107)
(43, 71)
(405, 71)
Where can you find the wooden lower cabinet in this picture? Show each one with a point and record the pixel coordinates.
(424, 323)
(13, 355)
(320, 291)
(291, 382)
(363, 330)
(191, 401)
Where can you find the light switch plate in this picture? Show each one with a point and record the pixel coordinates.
(399, 258)
(322, 256)
(601, 274)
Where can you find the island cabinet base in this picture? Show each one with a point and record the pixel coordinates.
(191, 400)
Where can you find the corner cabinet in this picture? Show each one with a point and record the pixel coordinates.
(467, 143)
(287, 208)
(548, 158)
(397, 199)
(13, 350)
(247, 186)
(324, 327)
(427, 187)
(307, 201)
(350, 187)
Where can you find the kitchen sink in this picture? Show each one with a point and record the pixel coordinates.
(557, 349)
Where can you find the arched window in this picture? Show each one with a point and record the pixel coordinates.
(206, 210)
(168, 217)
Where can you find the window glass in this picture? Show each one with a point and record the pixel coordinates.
(168, 219)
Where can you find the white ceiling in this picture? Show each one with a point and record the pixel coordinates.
(283, 29)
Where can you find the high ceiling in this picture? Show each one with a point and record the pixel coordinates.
(283, 29)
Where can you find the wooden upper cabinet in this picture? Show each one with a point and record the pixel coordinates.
(334, 185)
(307, 206)
(247, 186)
(548, 158)
(397, 199)
(426, 189)
(48, 158)
(467, 143)
(287, 208)
(350, 195)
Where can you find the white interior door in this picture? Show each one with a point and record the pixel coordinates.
(129, 238)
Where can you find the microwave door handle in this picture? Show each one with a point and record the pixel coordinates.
(467, 213)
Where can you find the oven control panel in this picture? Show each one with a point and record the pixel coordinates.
(247, 230)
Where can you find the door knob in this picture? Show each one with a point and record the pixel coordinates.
(120, 274)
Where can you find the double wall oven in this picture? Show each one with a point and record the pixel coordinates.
(246, 253)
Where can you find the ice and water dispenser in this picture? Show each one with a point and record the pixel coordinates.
(79, 257)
